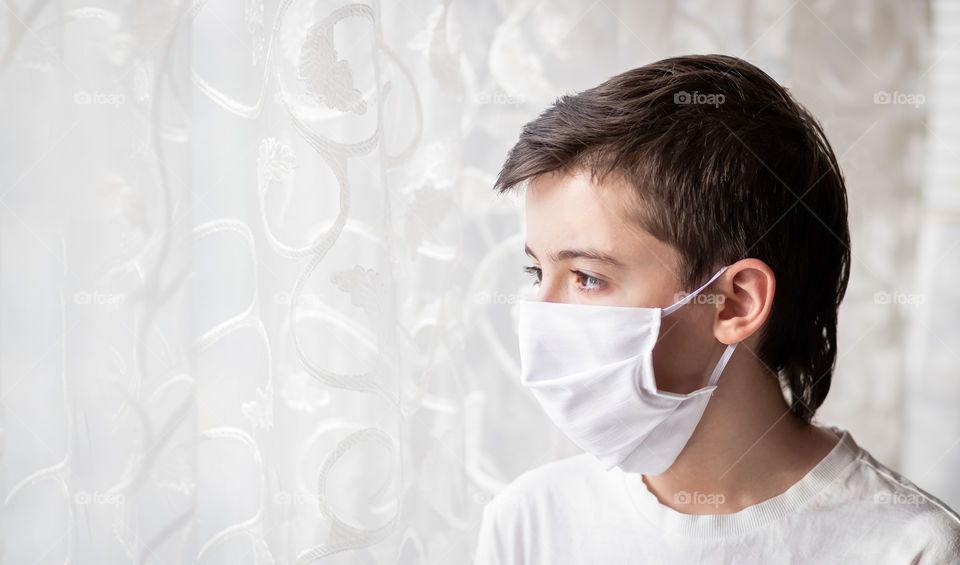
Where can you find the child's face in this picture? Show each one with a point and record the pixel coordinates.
(568, 212)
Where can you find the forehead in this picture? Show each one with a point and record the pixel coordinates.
(568, 211)
(569, 208)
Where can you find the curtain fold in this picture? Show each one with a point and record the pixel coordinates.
(258, 296)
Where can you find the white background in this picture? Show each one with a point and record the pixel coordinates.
(257, 292)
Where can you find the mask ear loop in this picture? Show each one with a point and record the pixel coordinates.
(689, 297)
(715, 376)
(722, 363)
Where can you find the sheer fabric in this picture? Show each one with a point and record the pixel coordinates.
(258, 294)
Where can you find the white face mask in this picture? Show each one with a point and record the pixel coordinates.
(591, 369)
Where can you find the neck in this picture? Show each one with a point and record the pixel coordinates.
(748, 446)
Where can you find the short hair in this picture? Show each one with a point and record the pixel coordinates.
(723, 164)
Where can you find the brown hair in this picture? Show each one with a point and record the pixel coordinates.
(724, 164)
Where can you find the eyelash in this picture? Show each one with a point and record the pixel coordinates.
(535, 273)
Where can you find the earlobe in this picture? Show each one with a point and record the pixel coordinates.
(747, 288)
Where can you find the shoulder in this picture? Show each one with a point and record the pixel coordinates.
(916, 522)
(891, 489)
(541, 489)
(546, 481)
(531, 503)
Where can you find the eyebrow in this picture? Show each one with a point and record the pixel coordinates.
(585, 253)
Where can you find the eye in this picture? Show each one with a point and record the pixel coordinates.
(589, 283)
(586, 282)
(535, 273)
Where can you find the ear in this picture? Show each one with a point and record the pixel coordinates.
(747, 288)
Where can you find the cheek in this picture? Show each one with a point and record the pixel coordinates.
(681, 352)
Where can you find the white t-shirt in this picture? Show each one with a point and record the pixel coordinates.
(847, 509)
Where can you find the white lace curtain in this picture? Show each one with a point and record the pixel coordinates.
(257, 291)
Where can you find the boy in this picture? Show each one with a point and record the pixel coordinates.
(696, 173)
